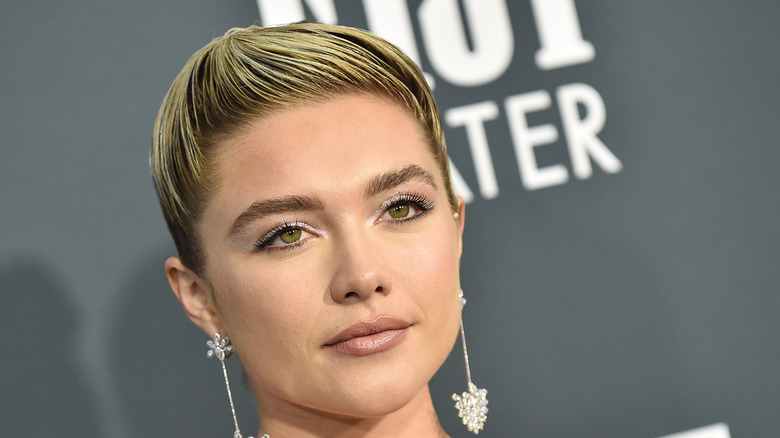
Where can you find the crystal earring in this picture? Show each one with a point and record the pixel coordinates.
(221, 349)
(472, 404)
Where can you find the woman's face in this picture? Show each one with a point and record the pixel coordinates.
(333, 256)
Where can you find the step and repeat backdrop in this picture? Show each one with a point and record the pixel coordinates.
(620, 164)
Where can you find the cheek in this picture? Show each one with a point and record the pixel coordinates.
(264, 305)
(431, 268)
(435, 258)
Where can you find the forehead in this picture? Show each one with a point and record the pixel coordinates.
(330, 133)
(320, 146)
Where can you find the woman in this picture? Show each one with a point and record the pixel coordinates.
(304, 178)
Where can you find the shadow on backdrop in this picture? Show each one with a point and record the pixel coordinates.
(43, 392)
(167, 385)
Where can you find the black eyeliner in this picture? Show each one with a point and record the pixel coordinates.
(420, 202)
(265, 240)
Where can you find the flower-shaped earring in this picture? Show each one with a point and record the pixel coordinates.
(221, 349)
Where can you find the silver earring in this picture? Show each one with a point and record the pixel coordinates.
(221, 349)
(472, 404)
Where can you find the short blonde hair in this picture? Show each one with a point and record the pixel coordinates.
(252, 72)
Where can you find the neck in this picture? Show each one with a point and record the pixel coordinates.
(417, 418)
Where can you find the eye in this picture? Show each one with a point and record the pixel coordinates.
(405, 207)
(400, 211)
(284, 236)
(291, 236)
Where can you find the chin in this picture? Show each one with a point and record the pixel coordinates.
(380, 401)
(380, 391)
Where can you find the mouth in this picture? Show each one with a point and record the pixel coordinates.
(369, 337)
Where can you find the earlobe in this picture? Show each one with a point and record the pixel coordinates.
(461, 218)
(193, 294)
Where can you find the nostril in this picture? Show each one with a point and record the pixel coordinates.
(351, 294)
(379, 289)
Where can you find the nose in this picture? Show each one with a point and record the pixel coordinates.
(359, 272)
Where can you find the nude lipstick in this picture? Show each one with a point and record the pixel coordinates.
(369, 337)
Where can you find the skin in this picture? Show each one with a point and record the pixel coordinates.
(360, 254)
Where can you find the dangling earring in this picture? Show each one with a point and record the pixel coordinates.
(221, 348)
(471, 405)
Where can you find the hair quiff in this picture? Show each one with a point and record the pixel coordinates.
(252, 72)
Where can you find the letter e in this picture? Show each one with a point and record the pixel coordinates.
(525, 138)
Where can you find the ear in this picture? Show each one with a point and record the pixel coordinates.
(461, 218)
(194, 294)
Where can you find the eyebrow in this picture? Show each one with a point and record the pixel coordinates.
(394, 178)
(267, 207)
(380, 183)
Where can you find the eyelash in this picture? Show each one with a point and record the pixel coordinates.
(264, 242)
(419, 202)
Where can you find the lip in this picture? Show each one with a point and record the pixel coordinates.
(368, 337)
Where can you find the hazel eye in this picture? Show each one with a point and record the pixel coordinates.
(399, 211)
(285, 236)
(405, 207)
(291, 235)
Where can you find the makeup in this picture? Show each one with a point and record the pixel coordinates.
(369, 337)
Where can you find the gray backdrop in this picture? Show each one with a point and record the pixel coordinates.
(635, 302)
